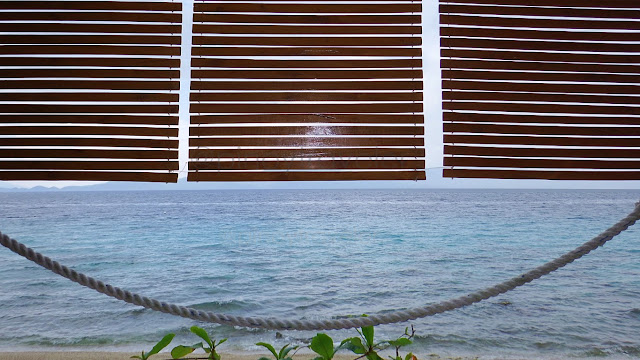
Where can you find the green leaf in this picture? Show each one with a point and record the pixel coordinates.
(221, 341)
(367, 332)
(400, 342)
(202, 334)
(410, 356)
(322, 344)
(270, 347)
(181, 351)
(161, 344)
(354, 344)
(285, 350)
(264, 358)
(214, 355)
(372, 355)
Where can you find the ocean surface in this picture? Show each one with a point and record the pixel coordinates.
(313, 254)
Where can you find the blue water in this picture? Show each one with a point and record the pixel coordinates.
(314, 254)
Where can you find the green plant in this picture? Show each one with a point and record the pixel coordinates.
(209, 346)
(281, 355)
(322, 344)
(156, 349)
(403, 340)
(363, 345)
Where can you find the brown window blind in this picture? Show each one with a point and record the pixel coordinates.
(541, 89)
(306, 91)
(89, 90)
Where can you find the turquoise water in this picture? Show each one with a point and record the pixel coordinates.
(316, 254)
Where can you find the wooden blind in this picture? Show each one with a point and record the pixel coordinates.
(306, 91)
(541, 89)
(89, 90)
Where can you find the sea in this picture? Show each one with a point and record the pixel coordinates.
(320, 254)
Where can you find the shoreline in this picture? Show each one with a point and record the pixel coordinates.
(118, 355)
(108, 355)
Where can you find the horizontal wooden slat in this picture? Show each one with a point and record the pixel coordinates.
(465, 161)
(200, 28)
(324, 1)
(58, 16)
(306, 176)
(545, 175)
(306, 130)
(539, 76)
(542, 11)
(303, 108)
(309, 118)
(114, 109)
(88, 130)
(541, 56)
(90, 165)
(89, 73)
(307, 41)
(542, 87)
(538, 66)
(541, 140)
(305, 85)
(346, 8)
(540, 34)
(541, 152)
(89, 39)
(535, 97)
(91, 142)
(305, 74)
(538, 23)
(543, 130)
(89, 49)
(534, 118)
(90, 62)
(304, 64)
(104, 28)
(307, 19)
(86, 154)
(542, 108)
(630, 4)
(314, 164)
(89, 96)
(88, 176)
(92, 5)
(328, 152)
(90, 84)
(307, 141)
(303, 96)
(89, 119)
(304, 51)
(538, 45)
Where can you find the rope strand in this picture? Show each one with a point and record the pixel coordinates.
(328, 324)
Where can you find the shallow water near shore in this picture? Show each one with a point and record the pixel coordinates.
(314, 254)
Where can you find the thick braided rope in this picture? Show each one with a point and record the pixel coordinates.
(329, 324)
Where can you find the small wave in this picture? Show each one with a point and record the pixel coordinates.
(635, 312)
(595, 352)
(77, 342)
(225, 306)
(630, 350)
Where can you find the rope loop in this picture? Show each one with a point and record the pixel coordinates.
(328, 324)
